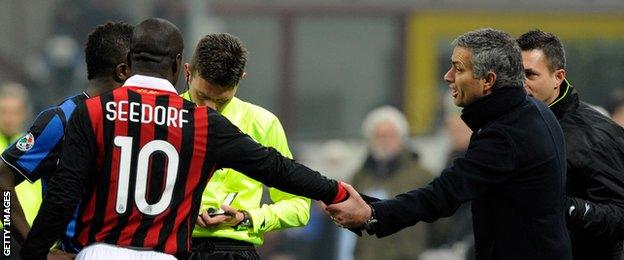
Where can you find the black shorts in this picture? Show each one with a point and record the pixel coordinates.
(208, 248)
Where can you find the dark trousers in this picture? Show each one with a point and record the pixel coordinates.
(222, 249)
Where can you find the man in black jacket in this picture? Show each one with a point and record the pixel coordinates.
(594, 152)
(513, 170)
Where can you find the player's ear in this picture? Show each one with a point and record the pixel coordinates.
(177, 64)
(121, 73)
(187, 71)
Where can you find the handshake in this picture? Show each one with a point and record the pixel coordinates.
(354, 213)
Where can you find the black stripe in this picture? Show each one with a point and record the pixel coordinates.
(101, 194)
(72, 244)
(78, 99)
(207, 165)
(155, 178)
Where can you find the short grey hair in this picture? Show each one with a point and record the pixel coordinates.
(385, 114)
(494, 51)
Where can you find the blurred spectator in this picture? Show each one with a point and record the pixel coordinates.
(453, 236)
(615, 107)
(390, 168)
(14, 111)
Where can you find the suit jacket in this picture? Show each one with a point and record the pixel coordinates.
(514, 173)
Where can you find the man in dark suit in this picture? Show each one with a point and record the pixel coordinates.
(514, 170)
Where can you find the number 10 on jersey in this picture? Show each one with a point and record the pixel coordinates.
(142, 170)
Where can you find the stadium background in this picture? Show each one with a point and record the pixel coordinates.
(321, 65)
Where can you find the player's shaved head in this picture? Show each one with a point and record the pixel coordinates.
(155, 47)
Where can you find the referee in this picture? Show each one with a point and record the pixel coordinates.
(213, 76)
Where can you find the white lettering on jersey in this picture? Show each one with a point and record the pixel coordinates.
(145, 114)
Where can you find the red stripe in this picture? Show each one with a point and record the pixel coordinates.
(110, 214)
(174, 137)
(94, 108)
(194, 175)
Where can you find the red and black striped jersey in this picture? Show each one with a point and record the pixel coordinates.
(137, 160)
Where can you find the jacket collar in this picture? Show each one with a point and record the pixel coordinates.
(148, 82)
(490, 107)
(567, 100)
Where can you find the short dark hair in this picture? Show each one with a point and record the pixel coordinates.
(220, 59)
(546, 42)
(155, 44)
(107, 46)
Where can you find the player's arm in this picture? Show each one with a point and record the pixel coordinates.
(19, 224)
(17, 165)
(233, 149)
(601, 217)
(66, 187)
(287, 210)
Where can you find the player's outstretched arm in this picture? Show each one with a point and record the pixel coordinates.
(19, 224)
(233, 149)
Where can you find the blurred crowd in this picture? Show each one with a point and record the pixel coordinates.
(384, 162)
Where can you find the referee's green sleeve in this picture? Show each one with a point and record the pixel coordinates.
(287, 210)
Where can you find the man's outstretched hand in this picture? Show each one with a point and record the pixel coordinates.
(351, 213)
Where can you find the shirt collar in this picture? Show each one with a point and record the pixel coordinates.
(150, 83)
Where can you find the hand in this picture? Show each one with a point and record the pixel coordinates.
(351, 213)
(56, 254)
(231, 218)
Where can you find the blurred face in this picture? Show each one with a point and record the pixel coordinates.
(465, 89)
(203, 93)
(618, 115)
(12, 115)
(541, 83)
(385, 141)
